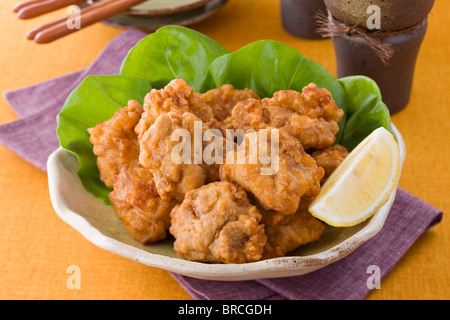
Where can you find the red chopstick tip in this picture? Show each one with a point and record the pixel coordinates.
(17, 7)
(31, 34)
(23, 14)
(39, 38)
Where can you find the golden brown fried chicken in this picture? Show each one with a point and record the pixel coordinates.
(217, 223)
(115, 142)
(278, 181)
(214, 149)
(223, 99)
(312, 116)
(176, 96)
(162, 161)
(247, 114)
(135, 199)
(330, 158)
(173, 152)
(288, 232)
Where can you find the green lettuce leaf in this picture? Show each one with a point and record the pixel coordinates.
(173, 53)
(95, 100)
(268, 66)
(364, 108)
(176, 52)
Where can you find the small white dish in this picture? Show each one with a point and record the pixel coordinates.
(99, 224)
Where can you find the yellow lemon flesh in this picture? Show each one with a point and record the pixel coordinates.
(361, 184)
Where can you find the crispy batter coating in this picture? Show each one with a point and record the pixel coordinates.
(135, 199)
(217, 223)
(330, 158)
(222, 100)
(247, 114)
(176, 96)
(288, 232)
(295, 174)
(174, 177)
(115, 142)
(312, 116)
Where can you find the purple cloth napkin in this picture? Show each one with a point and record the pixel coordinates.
(33, 137)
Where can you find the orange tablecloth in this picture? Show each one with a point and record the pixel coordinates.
(36, 247)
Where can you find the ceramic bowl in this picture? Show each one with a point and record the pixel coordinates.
(99, 224)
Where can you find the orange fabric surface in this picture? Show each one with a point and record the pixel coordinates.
(36, 247)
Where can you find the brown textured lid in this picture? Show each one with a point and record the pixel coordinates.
(394, 14)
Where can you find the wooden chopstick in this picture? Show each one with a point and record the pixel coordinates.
(32, 33)
(19, 6)
(41, 7)
(97, 12)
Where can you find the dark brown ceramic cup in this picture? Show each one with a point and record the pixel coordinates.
(298, 17)
(354, 56)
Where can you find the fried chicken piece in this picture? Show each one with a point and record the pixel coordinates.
(217, 223)
(312, 116)
(173, 177)
(222, 100)
(115, 142)
(315, 117)
(330, 158)
(176, 96)
(278, 180)
(135, 199)
(247, 114)
(288, 232)
(214, 149)
(178, 166)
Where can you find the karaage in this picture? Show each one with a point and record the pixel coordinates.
(164, 160)
(177, 166)
(292, 173)
(135, 199)
(217, 223)
(330, 158)
(115, 142)
(222, 100)
(176, 96)
(312, 116)
(288, 232)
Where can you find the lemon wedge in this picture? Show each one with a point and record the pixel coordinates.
(361, 184)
